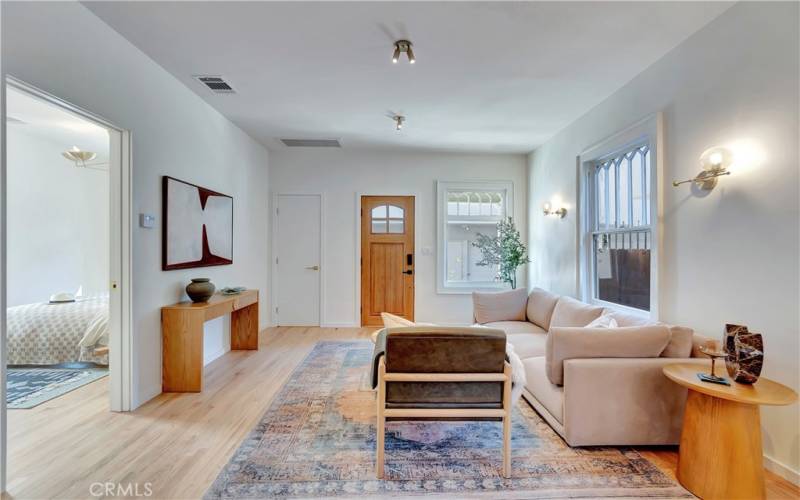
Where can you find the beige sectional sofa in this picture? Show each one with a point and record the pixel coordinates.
(594, 386)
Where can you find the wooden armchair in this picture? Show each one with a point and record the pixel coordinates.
(442, 373)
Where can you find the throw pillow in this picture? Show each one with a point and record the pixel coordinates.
(394, 321)
(603, 321)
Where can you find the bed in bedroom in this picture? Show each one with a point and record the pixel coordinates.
(50, 334)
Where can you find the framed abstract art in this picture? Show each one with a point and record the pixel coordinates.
(197, 227)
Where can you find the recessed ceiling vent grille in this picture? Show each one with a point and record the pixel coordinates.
(311, 143)
(216, 84)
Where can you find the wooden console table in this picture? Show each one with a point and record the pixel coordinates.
(720, 456)
(182, 336)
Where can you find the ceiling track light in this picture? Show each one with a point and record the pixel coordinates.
(403, 46)
(398, 120)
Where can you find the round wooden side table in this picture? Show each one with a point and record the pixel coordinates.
(720, 454)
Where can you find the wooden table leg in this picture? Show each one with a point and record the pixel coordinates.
(182, 353)
(244, 328)
(720, 453)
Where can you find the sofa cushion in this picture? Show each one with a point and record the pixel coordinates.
(528, 345)
(515, 327)
(540, 307)
(499, 306)
(680, 343)
(569, 312)
(549, 395)
(626, 342)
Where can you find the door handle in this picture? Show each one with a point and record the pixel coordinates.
(313, 268)
(408, 272)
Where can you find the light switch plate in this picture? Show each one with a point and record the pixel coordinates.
(147, 221)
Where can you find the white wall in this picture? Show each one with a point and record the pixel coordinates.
(731, 256)
(58, 232)
(77, 57)
(340, 174)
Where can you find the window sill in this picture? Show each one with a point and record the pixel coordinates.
(623, 309)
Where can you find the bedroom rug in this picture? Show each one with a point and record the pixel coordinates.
(30, 387)
(318, 440)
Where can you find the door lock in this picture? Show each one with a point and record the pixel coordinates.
(313, 268)
(409, 272)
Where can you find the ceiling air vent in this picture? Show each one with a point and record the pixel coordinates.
(311, 143)
(216, 84)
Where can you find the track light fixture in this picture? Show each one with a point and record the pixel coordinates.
(398, 120)
(403, 46)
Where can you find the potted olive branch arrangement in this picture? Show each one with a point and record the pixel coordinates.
(505, 250)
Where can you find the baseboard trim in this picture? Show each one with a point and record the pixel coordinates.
(782, 470)
(339, 325)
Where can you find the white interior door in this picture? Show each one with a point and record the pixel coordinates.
(298, 259)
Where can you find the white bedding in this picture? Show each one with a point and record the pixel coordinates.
(45, 334)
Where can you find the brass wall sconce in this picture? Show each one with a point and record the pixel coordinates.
(715, 163)
(560, 212)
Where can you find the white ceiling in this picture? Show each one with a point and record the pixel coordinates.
(489, 77)
(35, 117)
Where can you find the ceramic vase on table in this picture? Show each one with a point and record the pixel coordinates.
(745, 354)
(200, 289)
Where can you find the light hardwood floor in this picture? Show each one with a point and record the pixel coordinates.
(178, 442)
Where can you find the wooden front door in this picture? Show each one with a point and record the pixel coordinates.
(387, 258)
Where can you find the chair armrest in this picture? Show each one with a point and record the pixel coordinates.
(623, 401)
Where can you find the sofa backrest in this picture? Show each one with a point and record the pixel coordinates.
(488, 307)
(540, 307)
(680, 344)
(569, 312)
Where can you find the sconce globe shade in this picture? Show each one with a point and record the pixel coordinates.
(716, 159)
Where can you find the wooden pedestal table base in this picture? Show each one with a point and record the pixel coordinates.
(720, 453)
(182, 336)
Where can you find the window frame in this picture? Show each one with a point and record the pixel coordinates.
(442, 188)
(647, 131)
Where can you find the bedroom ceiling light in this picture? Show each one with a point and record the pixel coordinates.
(403, 46)
(398, 120)
(80, 157)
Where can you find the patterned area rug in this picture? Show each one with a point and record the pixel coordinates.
(318, 440)
(30, 387)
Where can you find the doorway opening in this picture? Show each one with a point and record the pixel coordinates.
(66, 287)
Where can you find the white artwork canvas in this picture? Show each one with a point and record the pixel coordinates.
(198, 226)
